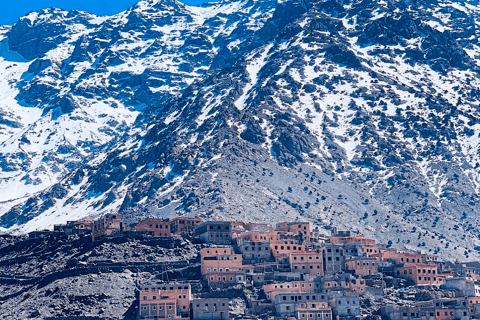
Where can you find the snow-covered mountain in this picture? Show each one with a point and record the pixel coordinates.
(357, 114)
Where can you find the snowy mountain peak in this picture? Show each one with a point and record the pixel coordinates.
(356, 114)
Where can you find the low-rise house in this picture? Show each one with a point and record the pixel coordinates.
(296, 228)
(421, 274)
(450, 309)
(165, 301)
(107, 226)
(271, 290)
(340, 283)
(310, 262)
(344, 239)
(474, 306)
(216, 232)
(75, 227)
(400, 257)
(210, 309)
(394, 312)
(284, 247)
(184, 225)
(220, 260)
(159, 227)
(313, 311)
(285, 303)
(370, 250)
(255, 246)
(344, 305)
(362, 265)
(225, 279)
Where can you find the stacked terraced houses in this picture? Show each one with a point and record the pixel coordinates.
(291, 271)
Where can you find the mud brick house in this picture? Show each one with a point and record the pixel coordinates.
(361, 250)
(313, 311)
(219, 260)
(337, 283)
(347, 305)
(225, 279)
(362, 265)
(286, 303)
(474, 306)
(344, 239)
(216, 232)
(302, 228)
(75, 227)
(165, 301)
(310, 262)
(184, 225)
(420, 273)
(210, 309)
(255, 246)
(450, 309)
(107, 226)
(272, 290)
(159, 227)
(282, 244)
(400, 257)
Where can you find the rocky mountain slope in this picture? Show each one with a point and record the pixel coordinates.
(61, 277)
(356, 114)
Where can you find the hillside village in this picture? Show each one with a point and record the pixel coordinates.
(292, 271)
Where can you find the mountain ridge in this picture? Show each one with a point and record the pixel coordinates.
(357, 114)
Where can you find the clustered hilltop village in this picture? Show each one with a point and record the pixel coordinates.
(290, 271)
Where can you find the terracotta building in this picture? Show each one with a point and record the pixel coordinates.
(362, 265)
(159, 227)
(271, 290)
(310, 262)
(302, 228)
(284, 243)
(421, 274)
(351, 239)
(216, 232)
(340, 283)
(184, 225)
(107, 225)
(450, 309)
(474, 306)
(254, 246)
(399, 257)
(215, 260)
(165, 301)
(225, 279)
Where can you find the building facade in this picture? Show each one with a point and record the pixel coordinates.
(210, 309)
(216, 232)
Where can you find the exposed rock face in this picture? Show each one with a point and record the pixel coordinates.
(360, 115)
